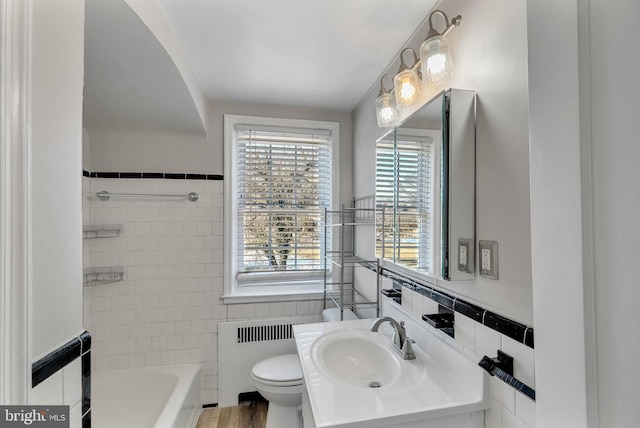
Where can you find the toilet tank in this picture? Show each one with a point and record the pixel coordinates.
(333, 314)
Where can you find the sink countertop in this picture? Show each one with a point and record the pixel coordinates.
(425, 390)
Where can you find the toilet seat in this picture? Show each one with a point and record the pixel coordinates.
(281, 370)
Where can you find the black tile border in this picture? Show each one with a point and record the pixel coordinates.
(105, 174)
(156, 175)
(48, 365)
(152, 175)
(56, 360)
(513, 329)
(130, 175)
(175, 176)
(86, 420)
(85, 339)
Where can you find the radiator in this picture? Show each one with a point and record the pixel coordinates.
(241, 344)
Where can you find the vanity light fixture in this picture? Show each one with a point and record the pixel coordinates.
(407, 83)
(386, 111)
(435, 57)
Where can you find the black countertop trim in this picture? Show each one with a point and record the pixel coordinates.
(513, 329)
(156, 175)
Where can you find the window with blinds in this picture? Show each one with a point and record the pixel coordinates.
(404, 186)
(283, 182)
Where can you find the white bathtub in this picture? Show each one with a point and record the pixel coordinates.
(156, 397)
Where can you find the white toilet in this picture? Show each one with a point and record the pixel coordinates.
(279, 380)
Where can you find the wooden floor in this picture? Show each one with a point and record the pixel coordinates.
(249, 414)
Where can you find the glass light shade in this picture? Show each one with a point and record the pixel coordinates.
(407, 88)
(435, 60)
(386, 111)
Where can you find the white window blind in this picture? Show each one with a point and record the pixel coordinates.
(404, 180)
(385, 198)
(284, 184)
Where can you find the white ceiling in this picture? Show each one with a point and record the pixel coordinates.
(313, 53)
(131, 83)
(305, 53)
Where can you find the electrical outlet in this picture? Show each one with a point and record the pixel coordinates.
(465, 255)
(488, 259)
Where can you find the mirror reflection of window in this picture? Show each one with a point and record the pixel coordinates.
(385, 197)
(405, 175)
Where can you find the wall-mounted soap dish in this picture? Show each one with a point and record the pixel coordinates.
(102, 275)
(394, 294)
(443, 320)
(94, 231)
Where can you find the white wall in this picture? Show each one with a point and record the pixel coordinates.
(153, 16)
(56, 108)
(137, 151)
(584, 197)
(556, 204)
(489, 50)
(126, 151)
(616, 183)
(57, 81)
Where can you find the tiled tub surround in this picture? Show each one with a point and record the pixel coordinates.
(509, 408)
(63, 377)
(167, 308)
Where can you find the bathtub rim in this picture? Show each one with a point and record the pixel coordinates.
(189, 376)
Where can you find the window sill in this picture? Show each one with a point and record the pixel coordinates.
(270, 296)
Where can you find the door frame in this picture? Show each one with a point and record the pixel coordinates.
(15, 201)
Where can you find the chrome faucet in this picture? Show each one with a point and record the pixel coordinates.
(399, 342)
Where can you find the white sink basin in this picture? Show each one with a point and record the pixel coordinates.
(339, 360)
(357, 357)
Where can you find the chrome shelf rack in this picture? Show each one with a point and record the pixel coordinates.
(341, 262)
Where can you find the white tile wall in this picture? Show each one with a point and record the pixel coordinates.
(50, 391)
(167, 308)
(62, 388)
(509, 408)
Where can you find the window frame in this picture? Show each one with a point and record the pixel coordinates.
(267, 286)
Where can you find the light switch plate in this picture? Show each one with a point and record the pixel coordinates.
(488, 252)
(465, 255)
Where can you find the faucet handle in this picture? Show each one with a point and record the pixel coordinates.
(407, 349)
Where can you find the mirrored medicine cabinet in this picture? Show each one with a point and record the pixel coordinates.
(425, 189)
